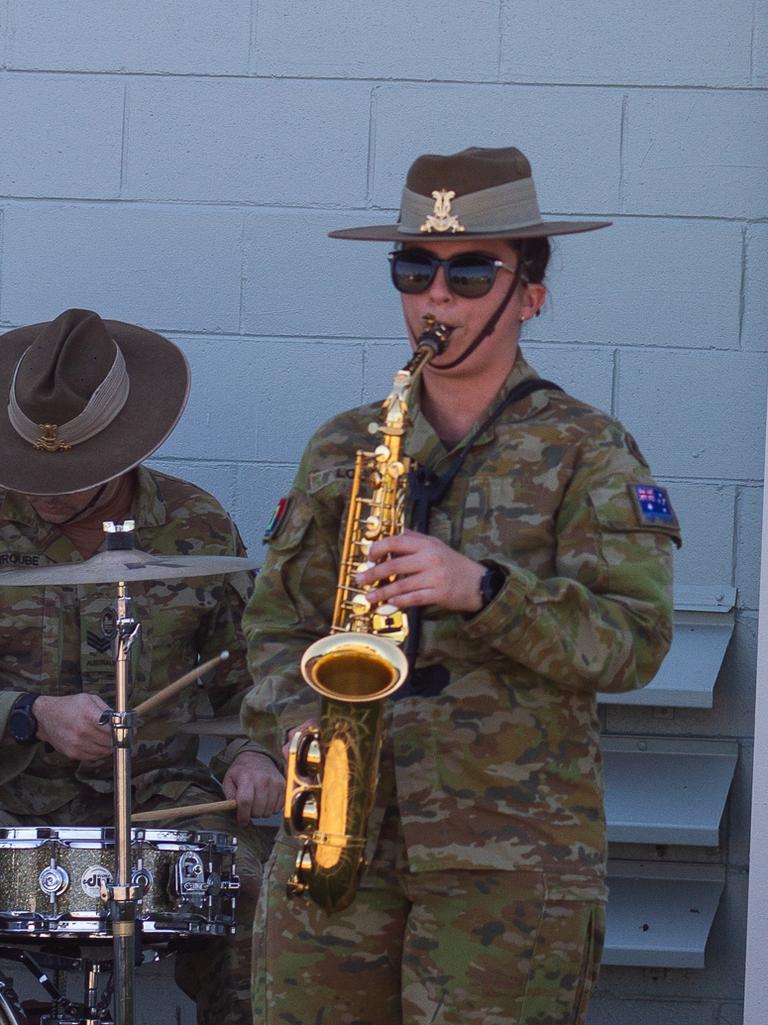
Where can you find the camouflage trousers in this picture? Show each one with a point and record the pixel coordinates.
(457, 947)
(213, 971)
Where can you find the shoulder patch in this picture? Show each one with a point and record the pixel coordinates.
(652, 505)
(320, 478)
(277, 520)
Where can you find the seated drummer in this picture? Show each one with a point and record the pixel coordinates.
(88, 400)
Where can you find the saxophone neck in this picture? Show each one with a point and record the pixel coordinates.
(432, 341)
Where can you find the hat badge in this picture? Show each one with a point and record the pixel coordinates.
(49, 440)
(441, 219)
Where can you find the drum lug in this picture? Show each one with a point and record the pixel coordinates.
(141, 881)
(231, 885)
(190, 878)
(53, 881)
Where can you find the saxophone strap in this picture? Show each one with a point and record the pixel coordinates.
(426, 489)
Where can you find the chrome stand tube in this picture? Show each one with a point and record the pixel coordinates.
(121, 895)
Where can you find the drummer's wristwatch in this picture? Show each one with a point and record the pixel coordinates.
(491, 582)
(22, 724)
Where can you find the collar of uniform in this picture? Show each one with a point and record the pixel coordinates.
(421, 443)
(523, 408)
(16, 509)
(149, 508)
(425, 447)
(46, 537)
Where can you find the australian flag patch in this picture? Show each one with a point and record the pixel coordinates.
(652, 505)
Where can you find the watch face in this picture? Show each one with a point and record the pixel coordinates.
(22, 725)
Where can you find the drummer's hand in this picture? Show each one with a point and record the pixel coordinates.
(428, 573)
(70, 725)
(256, 784)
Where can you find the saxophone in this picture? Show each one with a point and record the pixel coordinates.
(332, 770)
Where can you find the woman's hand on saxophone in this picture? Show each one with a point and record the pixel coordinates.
(427, 572)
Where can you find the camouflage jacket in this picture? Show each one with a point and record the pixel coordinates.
(52, 642)
(501, 769)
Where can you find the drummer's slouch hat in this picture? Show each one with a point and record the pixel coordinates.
(86, 400)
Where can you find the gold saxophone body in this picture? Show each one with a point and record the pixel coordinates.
(332, 770)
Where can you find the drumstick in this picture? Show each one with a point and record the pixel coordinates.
(177, 685)
(183, 811)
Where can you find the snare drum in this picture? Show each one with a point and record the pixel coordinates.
(53, 881)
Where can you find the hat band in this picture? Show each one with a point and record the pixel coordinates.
(102, 408)
(507, 207)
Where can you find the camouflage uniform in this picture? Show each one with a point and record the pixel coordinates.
(52, 642)
(488, 834)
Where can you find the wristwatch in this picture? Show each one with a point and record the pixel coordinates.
(22, 724)
(491, 582)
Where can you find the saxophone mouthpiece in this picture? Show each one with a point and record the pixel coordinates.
(435, 335)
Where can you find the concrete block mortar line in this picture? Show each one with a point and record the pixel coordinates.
(364, 373)
(756, 4)
(615, 384)
(502, 39)
(737, 506)
(387, 80)
(371, 162)
(124, 140)
(243, 259)
(622, 136)
(4, 43)
(347, 208)
(743, 289)
(254, 29)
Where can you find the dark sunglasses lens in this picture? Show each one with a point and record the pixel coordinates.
(411, 273)
(471, 277)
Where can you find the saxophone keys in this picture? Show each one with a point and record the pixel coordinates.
(382, 453)
(396, 469)
(372, 526)
(307, 813)
(298, 884)
(360, 605)
(391, 622)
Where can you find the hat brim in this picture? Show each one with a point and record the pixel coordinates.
(391, 233)
(159, 386)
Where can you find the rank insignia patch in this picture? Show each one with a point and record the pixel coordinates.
(276, 521)
(652, 505)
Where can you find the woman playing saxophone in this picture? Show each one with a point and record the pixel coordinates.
(539, 555)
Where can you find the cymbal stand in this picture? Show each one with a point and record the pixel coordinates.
(122, 894)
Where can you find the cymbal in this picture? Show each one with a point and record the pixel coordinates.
(126, 565)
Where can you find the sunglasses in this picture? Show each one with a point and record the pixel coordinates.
(469, 275)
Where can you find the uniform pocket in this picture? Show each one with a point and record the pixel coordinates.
(565, 963)
(510, 519)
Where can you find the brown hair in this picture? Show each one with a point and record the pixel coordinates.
(533, 255)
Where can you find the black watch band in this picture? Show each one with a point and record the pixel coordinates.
(491, 582)
(22, 724)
